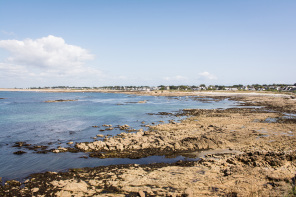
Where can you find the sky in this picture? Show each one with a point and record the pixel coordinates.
(146, 42)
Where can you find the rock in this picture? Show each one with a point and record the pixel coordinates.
(124, 127)
(62, 149)
(119, 147)
(142, 194)
(13, 183)
(19, 152)
(70, 143)
(189, 192)
(20, 144)
(82, 146)
(140, 133)
(56, 151)
(145, 145)
(60, 100)
(142, 101)
(177, 146)
(84, 156)
(35, 189)
(100, 135)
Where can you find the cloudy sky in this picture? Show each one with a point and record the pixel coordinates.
(147, 42)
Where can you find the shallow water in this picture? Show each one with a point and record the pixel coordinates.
(24, 116)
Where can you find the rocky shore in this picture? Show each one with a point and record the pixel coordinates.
(247, 151)
(60, 100)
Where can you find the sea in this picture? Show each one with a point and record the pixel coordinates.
(26, 117)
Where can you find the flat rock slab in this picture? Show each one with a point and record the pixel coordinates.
(60, 100)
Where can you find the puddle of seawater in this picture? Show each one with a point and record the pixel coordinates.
(288, 133)
(270, 120)
(261, 136)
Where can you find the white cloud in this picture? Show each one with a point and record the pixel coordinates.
(47, 58)
(207, 75)
(46, 52)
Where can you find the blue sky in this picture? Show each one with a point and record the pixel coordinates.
(146, 42)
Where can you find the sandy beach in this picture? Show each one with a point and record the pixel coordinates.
(247, 151)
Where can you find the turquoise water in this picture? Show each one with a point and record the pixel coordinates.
(24, 116)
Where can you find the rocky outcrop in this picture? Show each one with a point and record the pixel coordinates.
(213, 175)
(60, 100)
(158, 137)
(19, 152)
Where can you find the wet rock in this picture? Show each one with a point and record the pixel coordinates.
(20, 144)
(70, 143)
(60, 100)
(19, 152)
(84, 156)
(164, 113)
(13, 183)
(124, 127)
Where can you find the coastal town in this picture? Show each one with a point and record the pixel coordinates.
(240, 87)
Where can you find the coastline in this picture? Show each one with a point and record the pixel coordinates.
(161, 92)
(250, 155)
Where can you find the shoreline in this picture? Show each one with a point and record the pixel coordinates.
(258, 158)
(162, 92)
